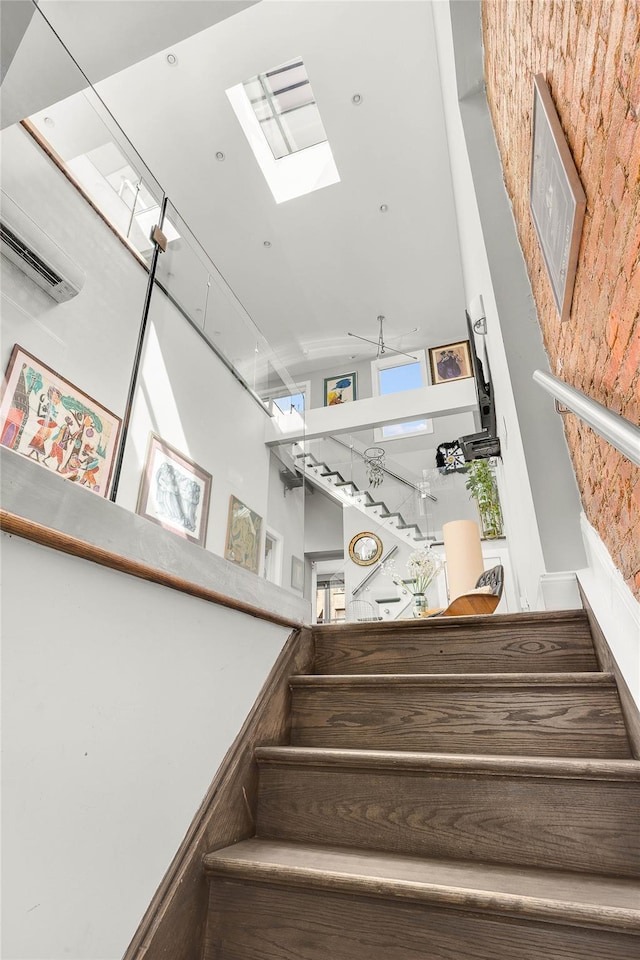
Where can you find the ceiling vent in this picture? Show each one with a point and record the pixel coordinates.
(39, 257)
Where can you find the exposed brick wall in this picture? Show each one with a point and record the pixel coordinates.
(589, 54)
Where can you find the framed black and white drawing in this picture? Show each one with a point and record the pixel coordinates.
(556, 196)
(174, 491)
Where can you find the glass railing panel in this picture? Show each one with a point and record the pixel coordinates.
(195, 459)
(73, 285)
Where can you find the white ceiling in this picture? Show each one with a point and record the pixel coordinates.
(335, 261)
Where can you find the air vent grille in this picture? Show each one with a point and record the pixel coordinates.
(28, 256)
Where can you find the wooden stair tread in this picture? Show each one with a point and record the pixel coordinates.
(517, 620)
(536, 893)
(460, 764)
(471, 680)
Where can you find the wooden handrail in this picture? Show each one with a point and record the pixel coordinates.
(65, 543)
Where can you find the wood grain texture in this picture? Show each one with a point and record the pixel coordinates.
(607, 662)
(574, 823)
(571, 715)
(544, 642)
(173, 926)
(569, 898)
(56, 540)
(256, 922)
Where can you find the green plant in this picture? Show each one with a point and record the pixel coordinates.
(481, 482)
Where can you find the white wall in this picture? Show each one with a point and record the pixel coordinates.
(286, 516)
(120, 699)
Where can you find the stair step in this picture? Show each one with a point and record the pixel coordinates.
(551, 641)
(271, 901)
(581, 815)
(561, 715)
(557, 895)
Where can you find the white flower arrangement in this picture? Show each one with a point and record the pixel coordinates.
(422, 566)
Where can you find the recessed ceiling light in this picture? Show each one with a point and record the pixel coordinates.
(50, 122)
(383, 208)
(219, 155)
(356, 99)
(267, 243)
(172, 59)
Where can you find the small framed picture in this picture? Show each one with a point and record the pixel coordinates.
(174, 492)
(450, 362)
(556, 197)
(339, 389)
(48, 420)
(297, 573)
(244, 528)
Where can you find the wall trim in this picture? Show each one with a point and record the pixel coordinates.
(616, 609)
(174, 923)
(11, 523)
(608, 664)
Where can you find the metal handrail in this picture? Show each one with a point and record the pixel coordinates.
(373, 572)
(616, 430)
(396, 476)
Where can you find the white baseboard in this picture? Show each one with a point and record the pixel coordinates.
(559, 591)
(616, 609)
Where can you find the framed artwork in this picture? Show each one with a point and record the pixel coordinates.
(450, 362)
(556, 197)
(339, 389)
(50, 421)
(174, 491)
(297, 573)
(243, 536)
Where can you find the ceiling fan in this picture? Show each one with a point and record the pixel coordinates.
(380, 344)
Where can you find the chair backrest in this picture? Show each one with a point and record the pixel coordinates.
(360, 610)
(493, 578)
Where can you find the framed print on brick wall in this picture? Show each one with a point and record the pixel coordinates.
(556, 197)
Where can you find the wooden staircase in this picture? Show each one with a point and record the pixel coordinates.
(453, 789)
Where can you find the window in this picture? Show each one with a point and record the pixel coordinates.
(395, 375)
(330, 606)
(285, 108)
(283, 402)
(281, 121)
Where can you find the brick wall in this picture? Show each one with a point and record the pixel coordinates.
(589, 54)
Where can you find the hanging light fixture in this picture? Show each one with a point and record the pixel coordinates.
(374, 462)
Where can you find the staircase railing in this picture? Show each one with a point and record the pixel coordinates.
(616, 430)
(390, 473)
(356, 590)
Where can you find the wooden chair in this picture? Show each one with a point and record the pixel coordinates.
(477, 604)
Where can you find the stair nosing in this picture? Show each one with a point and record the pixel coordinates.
(399, 761)
(599, 679)
(460, 898)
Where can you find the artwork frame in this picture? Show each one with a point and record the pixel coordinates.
(557, 200)
(160, 503)
(450, 362)
(334, 394)
(244, 535)
(38, 402)
(297, 573)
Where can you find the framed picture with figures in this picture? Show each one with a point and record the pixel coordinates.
(174, 491)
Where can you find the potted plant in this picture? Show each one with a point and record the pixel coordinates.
(481, 482)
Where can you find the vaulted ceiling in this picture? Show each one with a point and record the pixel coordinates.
(335, 261)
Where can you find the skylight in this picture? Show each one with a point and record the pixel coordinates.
(280, 118)
(286, 110)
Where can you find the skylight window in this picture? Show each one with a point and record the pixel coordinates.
(286, 110)
(280, 118)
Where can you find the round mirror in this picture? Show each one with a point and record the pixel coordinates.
(365, 548)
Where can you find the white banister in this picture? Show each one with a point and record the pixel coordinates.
(616, 430)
